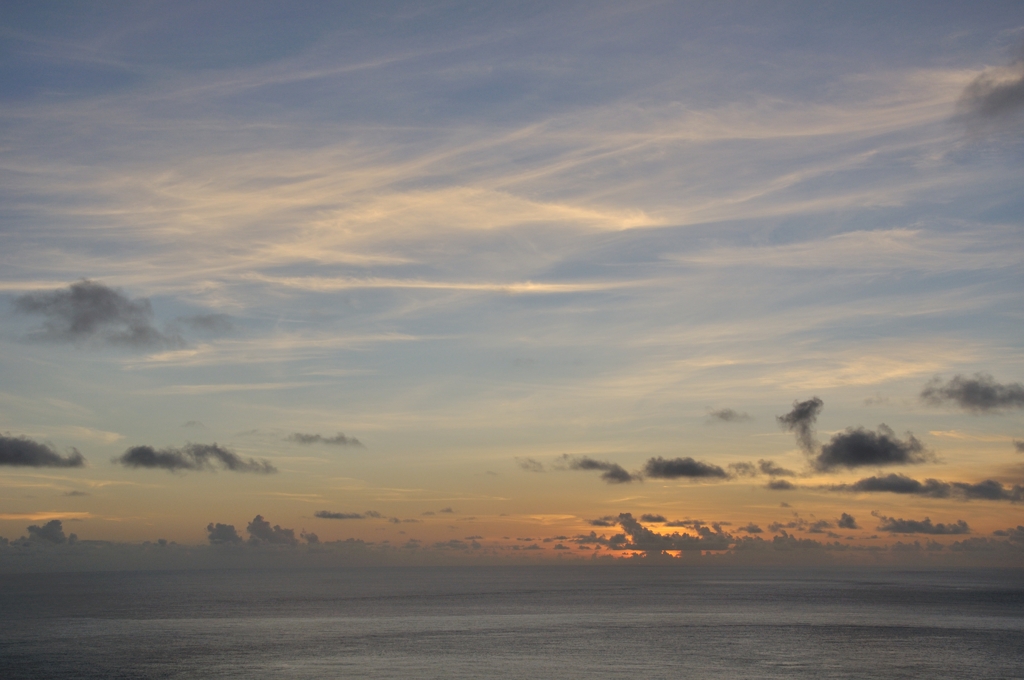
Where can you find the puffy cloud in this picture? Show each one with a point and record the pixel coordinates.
(21, 451)
(727, 415)
(652, 518)
(660, 468)
(613, 473)
(339, 439)
(857, 447)
(222, 534)
(191, 457)
(261, 532)
(977, 394)
(51, 532)
(87, 310)
(925, 526)
(1019, 445)
(847, 522)
(800, 420)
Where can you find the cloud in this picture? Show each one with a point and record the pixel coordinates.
(652, 518)
(530, 465)
(637, 537)
(978, 394)
(327, 514)
(87, 310)
(934, 488)
(728, 415)
(310, 538)
(925, 526)
(1019, 445)
(191, 457)
(608, 521)
(894, 483)
(857, 447)
(752, 529)
(222, 534)
(801, 421)
(780, 485)
(22, 451)
(51, 532)
(613, 473)
(847, 522)
(337, 440)
(675, 468)
(769, 468)
(261, 532)
(743, 469)
(994, 94)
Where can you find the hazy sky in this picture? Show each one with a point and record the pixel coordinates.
(496, 273)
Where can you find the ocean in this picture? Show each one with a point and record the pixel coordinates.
(514, 622)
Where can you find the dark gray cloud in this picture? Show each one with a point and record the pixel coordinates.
(530, 465)
(652, 518)
(51, 532)
(847, 522)
(780, 485)
(801, 421)
(727, 415)
(87, 310)
(1015, 534)
(260, 532)
(222, 534)
(977, 394)
(934, 488)
(674, 468)
(447, 510)
(613, 473)
(608, 521)
(819, 526)
(858, 447)
(192, 457)
(752, 529)
(337, 440)
(22, 451)
(769, 468)
(327, 514)
(310, 538)
(990, 97)
(925, 526)
(1019, 445)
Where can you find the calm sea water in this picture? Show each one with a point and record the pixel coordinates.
(523, 622)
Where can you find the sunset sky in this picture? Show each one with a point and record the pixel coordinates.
(477, 278)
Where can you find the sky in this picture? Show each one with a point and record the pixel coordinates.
(437, 281)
